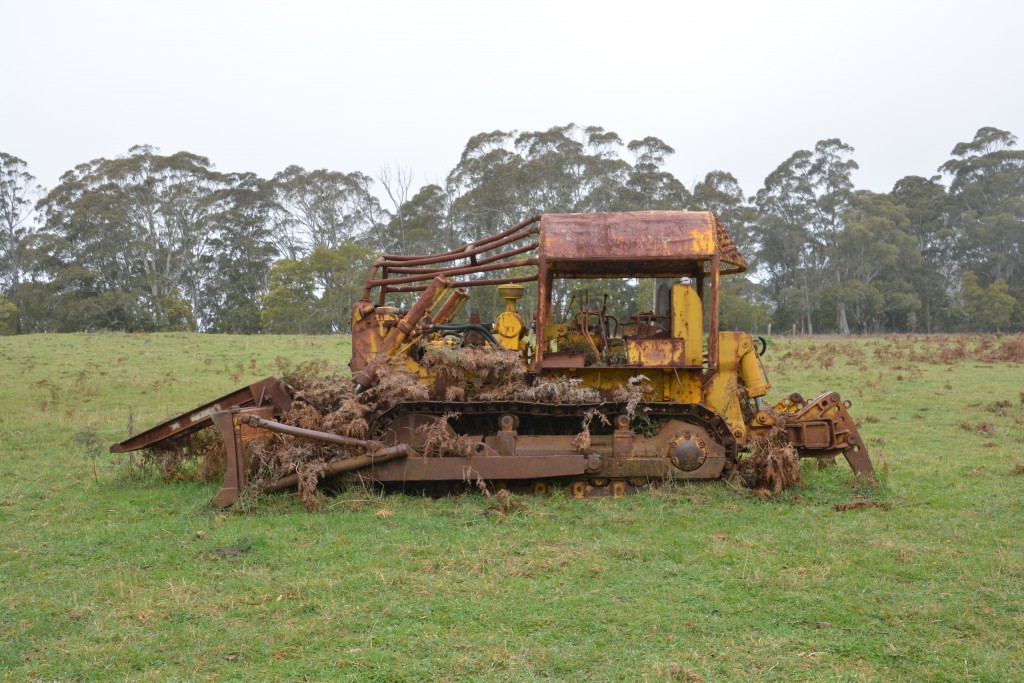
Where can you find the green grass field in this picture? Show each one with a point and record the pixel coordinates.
(108, 573)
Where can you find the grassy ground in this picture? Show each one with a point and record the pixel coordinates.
(108, 573)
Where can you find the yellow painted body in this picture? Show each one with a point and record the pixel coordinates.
(722, 391)
(688, 321)
(674, 365)
(738, 372)
(510, 328)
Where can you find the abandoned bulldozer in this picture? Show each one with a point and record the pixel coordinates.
(589, 390)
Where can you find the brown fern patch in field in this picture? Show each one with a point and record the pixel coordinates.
(979, 427)
(1005, 350)
(860, 504)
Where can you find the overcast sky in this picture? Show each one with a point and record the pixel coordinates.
(736, 85)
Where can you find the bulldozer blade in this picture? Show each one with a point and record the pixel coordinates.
(236, 434)
(268, 391)
(235, 469)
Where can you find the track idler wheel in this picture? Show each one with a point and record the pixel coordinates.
(687, 452)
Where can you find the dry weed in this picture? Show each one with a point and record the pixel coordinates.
(195, 457)
(582, 440)
(559, 390)
(634, 393)
(490, 374)
(504, 504)
(773, 465)
(439, 439)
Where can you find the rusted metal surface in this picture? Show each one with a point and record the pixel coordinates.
(655, 353)
(367, 376)
(261, 423)
(713, 339)
(486, 468)
(427, 271)
(470, 283)
(359, 462)
(239, 427)
(518, 230)
(450, 307)
(236, 437)
(451, 272)
(823, 428)
(462, 261)
(651, 243)
(268, 391)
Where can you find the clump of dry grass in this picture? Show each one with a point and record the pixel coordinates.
(486, 374)
(502, 503)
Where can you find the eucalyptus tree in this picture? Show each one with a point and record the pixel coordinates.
(485, 186)
(784, 208)
(327, 222)
(18, 195)
(987, 190)
(830, 175)
(422, 226)
(130, 238)
(568, 169)
(244, 250)
(323, 208)
(879, 257)
(928, 210)
(607, 173)
(802, 207)
(648, 185)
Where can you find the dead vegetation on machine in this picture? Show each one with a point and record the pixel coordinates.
(772, 464)
(323, 399)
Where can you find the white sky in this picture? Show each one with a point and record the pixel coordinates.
(736, 85)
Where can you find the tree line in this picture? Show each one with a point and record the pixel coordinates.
(149, 242)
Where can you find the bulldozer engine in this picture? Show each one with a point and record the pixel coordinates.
(592, 391)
